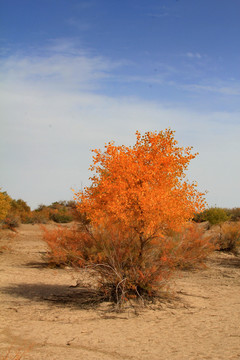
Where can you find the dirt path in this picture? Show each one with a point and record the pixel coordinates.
(41, 307)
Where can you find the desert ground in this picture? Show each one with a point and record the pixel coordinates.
(43, 311)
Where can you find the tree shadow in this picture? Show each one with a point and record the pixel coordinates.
(38, 264)
(61, 295)
(87, 298)
(232, 262)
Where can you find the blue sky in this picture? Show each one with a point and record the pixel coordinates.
(76, 74)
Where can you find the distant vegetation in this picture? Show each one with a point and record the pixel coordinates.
(216, 215)
(228, 221)
(5, 204)
(14, 212)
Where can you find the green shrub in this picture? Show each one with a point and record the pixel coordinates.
(61, 218)
(234, 214)
(213, 215)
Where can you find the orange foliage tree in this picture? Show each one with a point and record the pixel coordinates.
(142, 187)
(139, 194)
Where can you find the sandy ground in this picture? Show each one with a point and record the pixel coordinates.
(41, 308)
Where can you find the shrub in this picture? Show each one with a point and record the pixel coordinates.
(229, 239)
(61, 217)
(5, 205)
(234, 214)
(192, 246)
(124, 274)
(11, 222)
(123, 271)
(67, 246)
(36, 218)
(19, 209)
(213, 215)
(126, 271)
(40, 208)
(20, 206)
(58, 211)
(114, 256)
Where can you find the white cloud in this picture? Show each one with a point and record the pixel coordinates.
(53, 113)
(194, 55)
(224, 89)
(57, 70)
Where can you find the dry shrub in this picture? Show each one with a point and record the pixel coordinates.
(229, 237)
(124, 268)
(67, 246)
(11, 222)
(193, 246)
(127, 270)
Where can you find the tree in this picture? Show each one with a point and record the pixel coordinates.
(143, 187)
(138, 197)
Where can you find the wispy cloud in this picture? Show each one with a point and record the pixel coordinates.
(192, 55)
(59, 65)
(157, 79)
(228, 88)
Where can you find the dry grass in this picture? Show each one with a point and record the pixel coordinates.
(14, 355)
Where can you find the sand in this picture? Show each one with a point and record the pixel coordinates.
(41, 308)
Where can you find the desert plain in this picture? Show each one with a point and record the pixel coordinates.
(49, 314)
